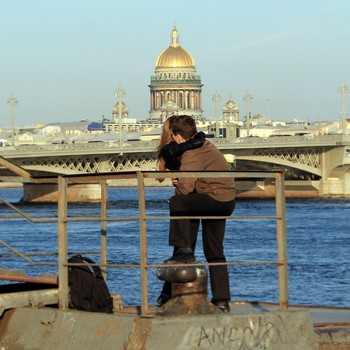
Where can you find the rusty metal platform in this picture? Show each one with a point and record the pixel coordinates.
(23, 290)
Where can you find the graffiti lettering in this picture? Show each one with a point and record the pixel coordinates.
(203, 336)
(258, 334)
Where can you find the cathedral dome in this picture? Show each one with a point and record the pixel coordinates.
(175, 56)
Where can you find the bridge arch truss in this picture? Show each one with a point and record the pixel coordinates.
(298, 162)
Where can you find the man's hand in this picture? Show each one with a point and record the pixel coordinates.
(174, 181)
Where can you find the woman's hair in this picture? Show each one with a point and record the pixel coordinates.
(165, 138)
(184, 125)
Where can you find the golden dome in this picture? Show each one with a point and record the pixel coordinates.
(230, 103)
(175, 56)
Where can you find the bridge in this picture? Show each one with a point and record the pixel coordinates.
(316, 166)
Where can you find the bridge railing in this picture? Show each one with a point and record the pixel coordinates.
(151, 146)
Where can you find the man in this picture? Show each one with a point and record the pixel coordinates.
(201, 197)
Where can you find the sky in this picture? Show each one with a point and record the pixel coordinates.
(63, 59)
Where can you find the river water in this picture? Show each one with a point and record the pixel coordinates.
(318, 236)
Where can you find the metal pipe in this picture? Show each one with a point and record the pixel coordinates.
(104, 197)
(143, 243)
(62, 244)
(281, 229)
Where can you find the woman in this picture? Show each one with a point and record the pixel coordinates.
(164, 161)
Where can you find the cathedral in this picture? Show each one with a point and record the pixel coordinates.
(175, 88)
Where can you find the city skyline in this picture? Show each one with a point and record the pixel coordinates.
(63, 60)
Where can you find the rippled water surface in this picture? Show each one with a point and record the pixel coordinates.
(318, 245)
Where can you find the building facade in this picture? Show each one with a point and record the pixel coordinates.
(230, 111)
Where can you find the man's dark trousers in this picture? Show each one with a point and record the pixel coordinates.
(183, 234)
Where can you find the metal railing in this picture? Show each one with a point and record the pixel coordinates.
(141, 177)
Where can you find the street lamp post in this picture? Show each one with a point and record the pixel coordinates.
(216, 99)
(248, 98)
(12, 101)
(120, 93)
(343, 89)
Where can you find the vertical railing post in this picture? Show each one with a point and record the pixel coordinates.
(143, 243)
(104, 196)
(281, 229)
(62, 243)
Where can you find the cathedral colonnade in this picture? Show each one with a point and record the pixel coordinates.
(184, 99)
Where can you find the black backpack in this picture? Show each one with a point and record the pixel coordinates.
(88, 290)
